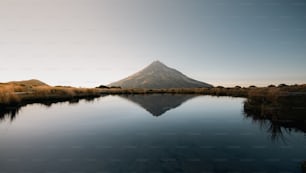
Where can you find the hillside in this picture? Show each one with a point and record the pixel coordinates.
(31, 82)
(158, 75)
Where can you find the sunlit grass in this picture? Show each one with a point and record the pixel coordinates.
(17, 92)
(7, 93)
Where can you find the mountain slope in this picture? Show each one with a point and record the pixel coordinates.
(31, 82)
(158, 75)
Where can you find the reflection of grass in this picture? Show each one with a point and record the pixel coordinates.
(304, 167)
(11, 111)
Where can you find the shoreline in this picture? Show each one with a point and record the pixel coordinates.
(284, 105)
(37, 94)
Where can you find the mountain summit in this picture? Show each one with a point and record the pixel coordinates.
(158, 75)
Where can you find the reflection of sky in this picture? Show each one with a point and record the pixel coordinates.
(113, 113)
(87, 43)
(206, 128)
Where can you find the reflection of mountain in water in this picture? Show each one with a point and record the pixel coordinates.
(158, 104)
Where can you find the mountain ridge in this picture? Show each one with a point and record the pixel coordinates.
(158, 75)
(30, 82)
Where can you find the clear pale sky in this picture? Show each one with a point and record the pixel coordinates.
(93, 42)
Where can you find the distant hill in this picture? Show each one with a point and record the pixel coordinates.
(32, 82)
(158, 75)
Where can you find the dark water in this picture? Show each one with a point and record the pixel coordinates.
(156, 133)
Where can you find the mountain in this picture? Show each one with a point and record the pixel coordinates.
(158, 104)
(158, 75)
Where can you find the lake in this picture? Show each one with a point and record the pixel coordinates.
(146, 133)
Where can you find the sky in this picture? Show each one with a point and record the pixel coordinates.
(87, 43)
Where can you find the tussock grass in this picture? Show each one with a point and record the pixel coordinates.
(282, 103)
(14, 93)
(7, 94)
(235, 92)
(17, 92)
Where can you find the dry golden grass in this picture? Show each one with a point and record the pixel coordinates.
(17, 92)
(269, 93)
(7, 94)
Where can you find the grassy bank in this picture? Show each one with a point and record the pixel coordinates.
(270, 93)
(235, 92)
(278, 103)
(16, 93)
(13, 93)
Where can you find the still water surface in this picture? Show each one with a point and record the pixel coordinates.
(155, 133)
